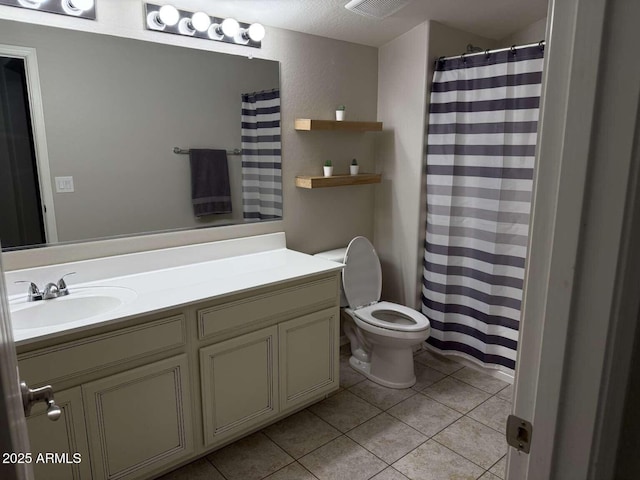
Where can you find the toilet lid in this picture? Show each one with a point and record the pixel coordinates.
(362, 276)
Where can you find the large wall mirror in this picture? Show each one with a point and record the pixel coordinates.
(112, 111)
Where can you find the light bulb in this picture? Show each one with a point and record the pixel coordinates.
(169, 15)
(200, 21)
(82, 4)
(256, 32)
(230, 27)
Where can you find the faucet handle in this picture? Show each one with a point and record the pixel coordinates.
(34, 292)
(62, 286)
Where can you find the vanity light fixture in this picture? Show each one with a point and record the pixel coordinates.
(168, 19)
(74, 8)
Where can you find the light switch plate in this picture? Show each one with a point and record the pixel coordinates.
(64, 184)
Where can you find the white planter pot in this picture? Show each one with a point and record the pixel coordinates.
(328, 171)
(340, 115)
(353, 169)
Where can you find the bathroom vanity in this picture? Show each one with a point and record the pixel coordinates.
(205, 353)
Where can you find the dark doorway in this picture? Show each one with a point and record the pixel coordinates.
(21, 216)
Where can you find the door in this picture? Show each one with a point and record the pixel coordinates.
(140, 420)
(27, 215)
(309, 362)
(239, 383)
(21, 215)
(580, 306)
(66, 437)
(13, 431)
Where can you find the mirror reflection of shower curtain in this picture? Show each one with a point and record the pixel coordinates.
(481, 145)
(261, 156)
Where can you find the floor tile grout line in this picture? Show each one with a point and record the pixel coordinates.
(288, 465)
(406, 424)
(459, 454)
(361, 446)
(319, 446)
(499, 460)
(379, 407)
(463, 414)
(448, 406)
(307, 470)
(206, 457)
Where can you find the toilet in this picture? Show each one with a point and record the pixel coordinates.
(382, 334)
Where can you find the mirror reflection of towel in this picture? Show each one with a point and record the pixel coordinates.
(210, 188)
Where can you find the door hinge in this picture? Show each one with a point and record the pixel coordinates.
(519, 433)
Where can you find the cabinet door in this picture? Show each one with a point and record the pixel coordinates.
(66, 438)
(239, 383)
(139, 420)
(309, 357)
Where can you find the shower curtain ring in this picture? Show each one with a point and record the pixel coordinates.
(541, 45)
(462, 57)
(513, 49)
(487, 53)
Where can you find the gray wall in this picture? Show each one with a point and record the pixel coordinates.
(316, 75)
(406, 71)
(530, 34)
(114, 109)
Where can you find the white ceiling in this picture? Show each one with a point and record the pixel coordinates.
(494, 19)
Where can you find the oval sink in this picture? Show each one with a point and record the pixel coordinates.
(81, 303)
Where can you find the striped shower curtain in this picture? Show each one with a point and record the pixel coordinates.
(261, 156)
(481, 146)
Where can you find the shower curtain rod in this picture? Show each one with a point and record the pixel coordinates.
(514, 48)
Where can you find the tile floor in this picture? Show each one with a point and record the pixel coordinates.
(448, 426)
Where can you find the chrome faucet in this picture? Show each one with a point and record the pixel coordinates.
(51, 290)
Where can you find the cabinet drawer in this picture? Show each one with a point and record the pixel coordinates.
(71, 359)
(255, 309)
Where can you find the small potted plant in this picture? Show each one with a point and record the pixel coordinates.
(340, 113)
(328, 168)
(354, 167)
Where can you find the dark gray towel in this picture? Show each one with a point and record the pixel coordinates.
(210, 189)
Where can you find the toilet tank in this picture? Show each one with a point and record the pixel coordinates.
(336, 255)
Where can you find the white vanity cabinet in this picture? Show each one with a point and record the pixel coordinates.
(122, 424)
(66, 437)
(162, 389)
(139, 420)
(254, 377)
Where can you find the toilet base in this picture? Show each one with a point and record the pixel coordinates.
(365, 369)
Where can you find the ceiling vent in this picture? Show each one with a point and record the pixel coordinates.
(376, 8)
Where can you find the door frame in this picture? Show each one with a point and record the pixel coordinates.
(39, 135)
(579, 262)
(13, 434)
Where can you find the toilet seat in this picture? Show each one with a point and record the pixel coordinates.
(375, 315)
(362, 285)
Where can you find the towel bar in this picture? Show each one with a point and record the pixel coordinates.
(180, 151)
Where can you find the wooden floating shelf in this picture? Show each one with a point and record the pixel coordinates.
(304, 181)
(307, 124)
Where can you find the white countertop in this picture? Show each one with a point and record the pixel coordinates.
(168, 288)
